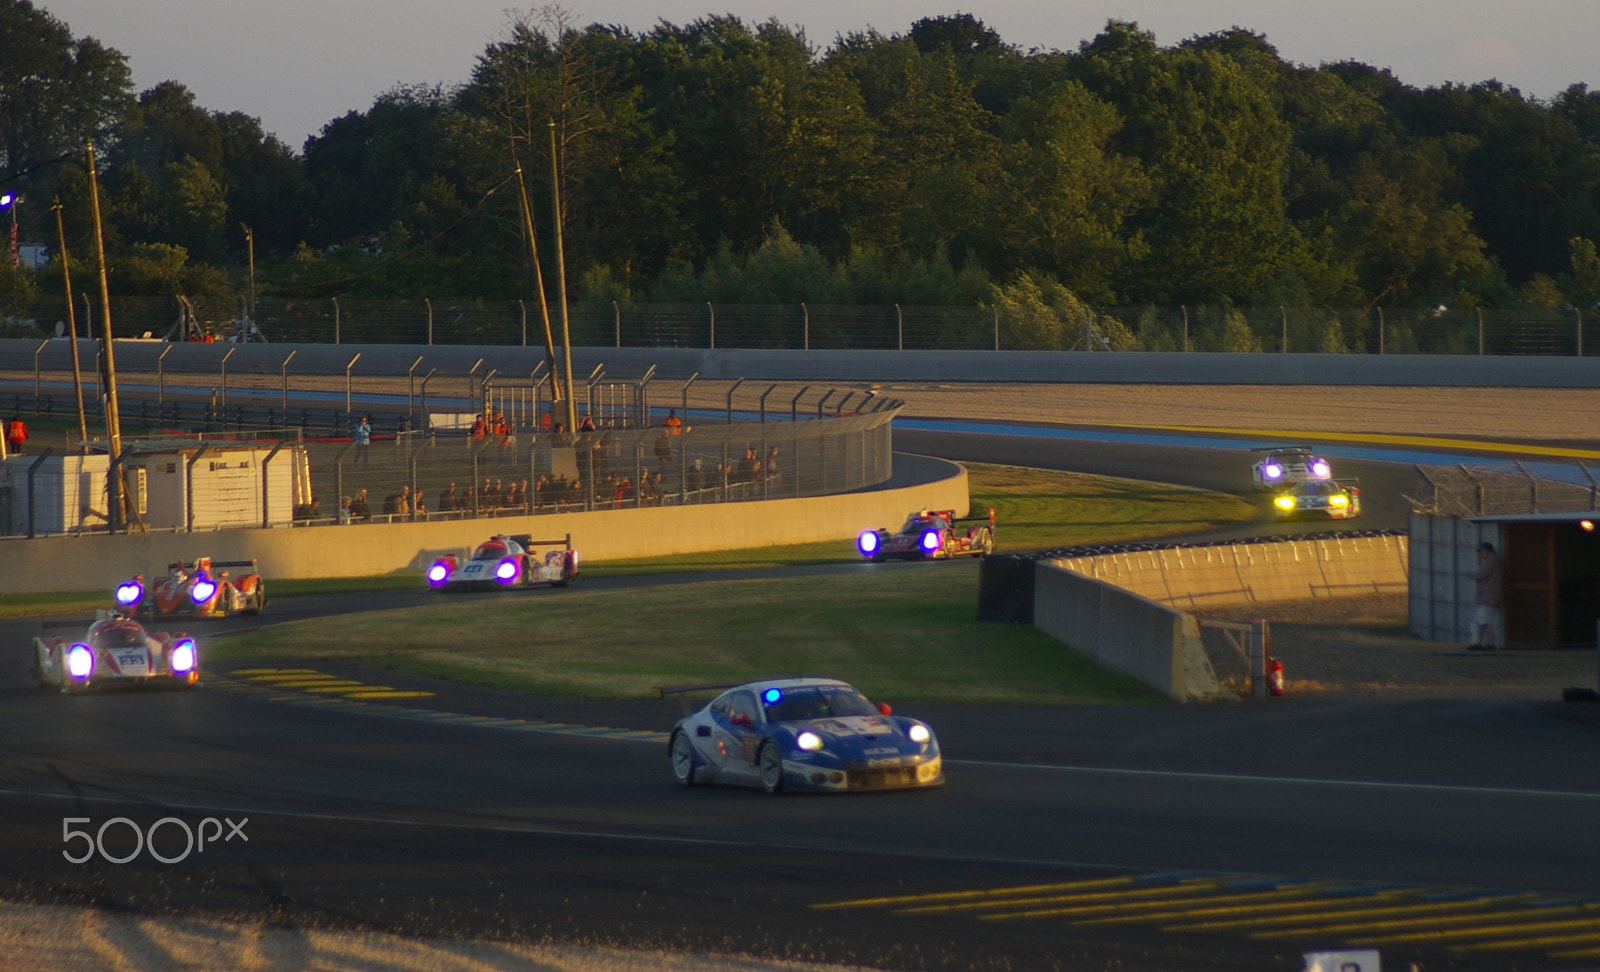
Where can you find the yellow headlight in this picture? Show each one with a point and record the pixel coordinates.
(1284, 502)
(1339, 500)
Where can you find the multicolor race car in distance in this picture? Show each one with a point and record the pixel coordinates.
(816, 735)
(204, 589)
(1337, 500)
(507, 561)
(1284, 466)
(115, 649)
(930, 535)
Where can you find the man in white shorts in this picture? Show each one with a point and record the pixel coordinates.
(1490, 576)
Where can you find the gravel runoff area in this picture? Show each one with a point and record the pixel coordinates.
(74, 939)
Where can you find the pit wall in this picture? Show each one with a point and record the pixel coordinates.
(1127, 610)
(81, 563)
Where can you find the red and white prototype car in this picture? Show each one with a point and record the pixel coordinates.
(507, 561)
(931, 535)
(115, 650)
(203, 589)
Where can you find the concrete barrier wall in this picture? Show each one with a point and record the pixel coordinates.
(1128, 367)
(96, 562)
(1124, 632)
(1126, 610)
(1254, 573)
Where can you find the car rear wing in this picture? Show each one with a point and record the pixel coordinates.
(683, 691)
(1306, 449)
(975, 519)
(526, 541)
(181, 565)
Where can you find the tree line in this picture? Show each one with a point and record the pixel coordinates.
(741, 163)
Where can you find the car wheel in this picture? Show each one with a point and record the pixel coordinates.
(258, 600)
(771, 763)
(681, 751)
(985, 543)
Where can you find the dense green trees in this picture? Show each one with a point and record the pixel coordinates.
(720, 160)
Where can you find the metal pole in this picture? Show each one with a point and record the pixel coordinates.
(335, 320)
(223, 366)
(36, 352)
(472, 398)
(286, 384)
(188, 491)
(429, 305)
(1285, 315)
(266, 487)
(899, 329)
(616, 313)
(1480, 330)
(347, 368)
(713, 312)
(524, 305)
(72, 325)
(1185, 309)
(1258, 658)
(996, 328)
(764, 395)
(805, 314)
(161, 376)
(113, 410)
(425, 379)
(730, 399)
(794, 409)
(561, 278)
(1380, 330)
(1579, 312)
(411, 383)
(32, 468)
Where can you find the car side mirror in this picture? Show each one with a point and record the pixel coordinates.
(883, 707)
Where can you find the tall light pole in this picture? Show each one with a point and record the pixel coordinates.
(72, 324)
(113, 411)
(12, 200)
(250, 248)
(561, 279)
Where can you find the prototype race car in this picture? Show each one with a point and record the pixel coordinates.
(802, 734)
(115, 649)
(204, 589)
(930, 535)
(1286, 465)
(507, 561)
(1339, 500)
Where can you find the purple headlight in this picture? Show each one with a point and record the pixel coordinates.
(129, 594)
(930, 541)
(203, 588)
(1320, 468)
(438, 574)
(182, 657)
(1271, 471)
(80, 661)
(867, 543)
(506, 572)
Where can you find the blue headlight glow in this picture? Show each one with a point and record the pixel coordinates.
(80, 661)
(507, 571)
(868, 543)
(1320, 468)
(772, 696)
(202, 591)
(129, 593)
(438, 574)
(930, 541)
(182, 658)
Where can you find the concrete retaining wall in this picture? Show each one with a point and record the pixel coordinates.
(99, 562)
(1124, 632)
(1126, 610)
(1128, 367)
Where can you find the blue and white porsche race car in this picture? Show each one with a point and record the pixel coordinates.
(803, 734)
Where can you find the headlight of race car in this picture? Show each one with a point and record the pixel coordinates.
(1320, 468)
(867, 543)
(809, 741)
(1284, 502)
(80, 661)
(919, 733)
(1271, 471)
(1339, 499)
(128, 594)
(438, 573)
(182, 659)
(930, 540)
(507, 571)
(202, 590)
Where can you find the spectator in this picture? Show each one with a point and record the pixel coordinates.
(587, 425)
(691, 477)
(488, 496)
(345, 514)
(469, 502)
(363, 439)
(480, 428)
(419, 509)
(1490, 576)
(447, 499)
(771, 470)
(673, 424)
(749, 467)
(359, 510)
(16, 435)
(402, 503)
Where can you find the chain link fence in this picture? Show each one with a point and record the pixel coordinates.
(1460, 491)
(1310, 330)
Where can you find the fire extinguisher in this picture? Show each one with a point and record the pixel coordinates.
(1274, 677)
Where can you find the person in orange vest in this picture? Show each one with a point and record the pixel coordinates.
(673, 424)
(16, 435)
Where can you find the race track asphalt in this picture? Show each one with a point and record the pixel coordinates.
(480, 825)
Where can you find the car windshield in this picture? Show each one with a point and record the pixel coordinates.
(819, 702)
(1317, 489)
(917, 524)
(121, 636)
(490, 551)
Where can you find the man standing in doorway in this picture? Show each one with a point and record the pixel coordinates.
(1490, 576)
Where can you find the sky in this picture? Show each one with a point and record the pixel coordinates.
(298, 64)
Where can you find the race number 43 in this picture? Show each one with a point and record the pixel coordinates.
(194, 839)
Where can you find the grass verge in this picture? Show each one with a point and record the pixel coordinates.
(904, 632)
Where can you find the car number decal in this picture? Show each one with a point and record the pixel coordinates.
(132, 662)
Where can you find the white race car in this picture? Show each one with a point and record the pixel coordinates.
(115, 650)
(802, 734)
(507, 561)
(1283, 466)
